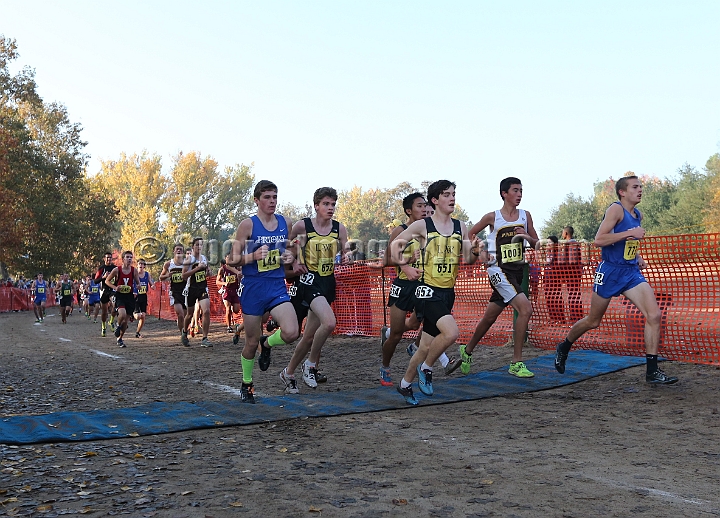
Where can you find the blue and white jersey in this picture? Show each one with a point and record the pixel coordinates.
(624, 253)
(276, 240)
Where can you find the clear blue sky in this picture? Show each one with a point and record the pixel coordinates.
(372, 93)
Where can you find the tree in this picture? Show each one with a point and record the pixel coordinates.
(711, 215)
(201, 200)
(41, 171)
(136, 184)
(576, 212)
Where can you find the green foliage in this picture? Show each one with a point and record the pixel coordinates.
(42, 160)
(669, 206)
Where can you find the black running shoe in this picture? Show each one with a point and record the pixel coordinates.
(320, 377)
(247, 393)
(407, 393)
(660, 378)
(271, 325)
(560, 359)
(264, 360)
(117, 332)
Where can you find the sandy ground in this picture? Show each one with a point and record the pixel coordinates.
(610, 446)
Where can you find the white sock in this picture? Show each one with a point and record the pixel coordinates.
(425, 367)
(404, 384)
(444, 360)
(387, 333)
(309, 364)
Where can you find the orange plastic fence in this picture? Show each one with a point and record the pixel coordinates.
(683, 270)
(16, 299)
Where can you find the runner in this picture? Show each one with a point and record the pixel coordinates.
(141, 299)
(618, 273)
(66, 295)
(122, 279)
(402, 292)
(197, 270)
(312, 293)
(39, 289)
(509, 227)
(94, 297)
(228, 278)
(260, 247)
(85, 295)
(443, 241)
(173, 270)
(105, 290)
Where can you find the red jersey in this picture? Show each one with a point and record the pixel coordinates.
(233, 283)
(125, 280)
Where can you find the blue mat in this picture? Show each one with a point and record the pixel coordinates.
(157, 418)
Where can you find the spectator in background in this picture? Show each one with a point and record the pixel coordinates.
(552, 281)
(571, 269)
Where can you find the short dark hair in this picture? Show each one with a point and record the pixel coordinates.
(409, 200)
(179, 245)
(323, 192)
(621, 184)
(126, 252)
(570, 230)
(508, 182)
(262, 186)
(435, 189)
(108, 253)
(554, 239)
(196, 239)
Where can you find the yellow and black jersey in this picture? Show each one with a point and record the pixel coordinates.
(441, 255)
(408, 252)
(319, 251)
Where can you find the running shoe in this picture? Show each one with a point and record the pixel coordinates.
(247, 393)
(191, 332)
(385, 379)
(88, 317)
(120, 342)
(320, 377)
(37, 320)
(290, 383)
(518, 369)
(205, 342)
(660, 378)
(102, 331)
(264, 359)
(184, 338)
(425, 381)
(309, 376)
(229, 329)
(236, 338)
(560, 359)
(407, 393)
(118, 330)
(383, 335)
(452, 365)
(466, 361)
(411, 349)
(138, 335)
(271, 325)
(94, 321)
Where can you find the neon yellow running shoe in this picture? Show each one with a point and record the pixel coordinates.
(518, 369)
(466, 360)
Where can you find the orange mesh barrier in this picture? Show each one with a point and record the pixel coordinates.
(683, 270)
(16, 299)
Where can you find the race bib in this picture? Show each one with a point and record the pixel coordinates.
(326, 266)
(270, 261)
(307, 278)
(142, 290)
(200, 275)
(41, 290)
(443, 267)
(395, 291)
(66, 292)
(631, 248)
(93, 289)
(511, 252)
(292, 291)
(176, 278)
(124, 288)
(423, 292)
(230, 279)
(599, 278)
(495, 279)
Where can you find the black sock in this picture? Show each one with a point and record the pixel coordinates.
(651, 363)
(565, 346)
